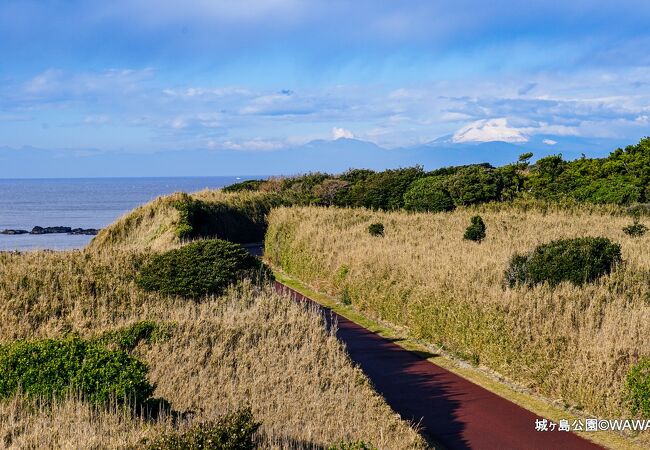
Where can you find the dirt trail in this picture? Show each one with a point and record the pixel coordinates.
(451, 410)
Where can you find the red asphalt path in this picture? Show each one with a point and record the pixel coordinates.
(450, 410)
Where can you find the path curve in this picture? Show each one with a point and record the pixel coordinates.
(450, 409)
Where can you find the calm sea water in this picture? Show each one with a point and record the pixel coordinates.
(84, 203)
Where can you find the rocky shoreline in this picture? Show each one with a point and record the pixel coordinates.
(53, 230)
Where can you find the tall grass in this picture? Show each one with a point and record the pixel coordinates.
(572, 344)
(248, 347)
(169, 220)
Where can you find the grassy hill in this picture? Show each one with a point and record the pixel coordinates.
(573, 343)
(205, 357)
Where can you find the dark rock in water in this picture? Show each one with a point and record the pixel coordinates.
(53, 230)
(50, 230)
(87, 231)
(14, 232)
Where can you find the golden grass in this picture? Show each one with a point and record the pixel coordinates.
(573, 345)
(153, 226)
(249, 347)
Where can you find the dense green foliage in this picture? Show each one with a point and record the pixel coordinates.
(476, 230)
(242, 223)
(232, 432)
(246, 185)
(621, 178)
(637, 385)
(428, 194)
(379, 190)
(376, 229)
(473, 185)
(50, 368)
(200, 268)
(579, 261)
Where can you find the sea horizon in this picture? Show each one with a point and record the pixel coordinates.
(82, 203)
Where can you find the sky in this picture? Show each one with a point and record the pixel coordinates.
(235, 80)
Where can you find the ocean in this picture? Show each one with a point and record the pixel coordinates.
(80, 203)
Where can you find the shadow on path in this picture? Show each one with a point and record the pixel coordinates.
(450, 410)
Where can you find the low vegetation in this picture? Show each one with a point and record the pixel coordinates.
(578, 260)
(200, 268)
(51, 368)
(207, 359)
(232, 432)
(376, 229)
(476, 230)
(571, 341)
(636, 229)
(637, 385)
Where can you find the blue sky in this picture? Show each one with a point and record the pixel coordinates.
(236, 78)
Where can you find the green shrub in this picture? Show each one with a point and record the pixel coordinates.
(579, 261)
(243, 221)
(200, 268)
(428, 194)
(476, 230)
(636, 229)
(474, 184)
(232, 432)
(246, 185)
(49, 368)
(637, 387)
(376, 229)
(128, 337)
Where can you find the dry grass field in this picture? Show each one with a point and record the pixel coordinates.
(250, 347)
(572, 344)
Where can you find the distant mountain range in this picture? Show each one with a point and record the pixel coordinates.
(332, 156)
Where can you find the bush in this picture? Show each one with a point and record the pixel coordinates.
(232, 432)
(578, 260)
(474, 184)
(128, 337)
(246, 185)
(476, 230)
(379, 190)
(50, 368)
(376, 229)
(635, 230)
(200, 268)
(637, 386)
(428, 194)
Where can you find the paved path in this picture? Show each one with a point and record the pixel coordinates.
(451, 410)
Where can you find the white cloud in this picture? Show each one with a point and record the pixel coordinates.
(98, 119)
(338, 133)
(549, 142)
(257, 144)
(489, 130)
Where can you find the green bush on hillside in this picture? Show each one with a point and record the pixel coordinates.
(376, 229)
(473, 185)
(428, 194)
(128, 337)
(200, 268)
(476, 230)
(232, 432)
(378, 190)
(637, 387)
(246, 185)
(579, 261)
(50, 368)
(635, 230)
